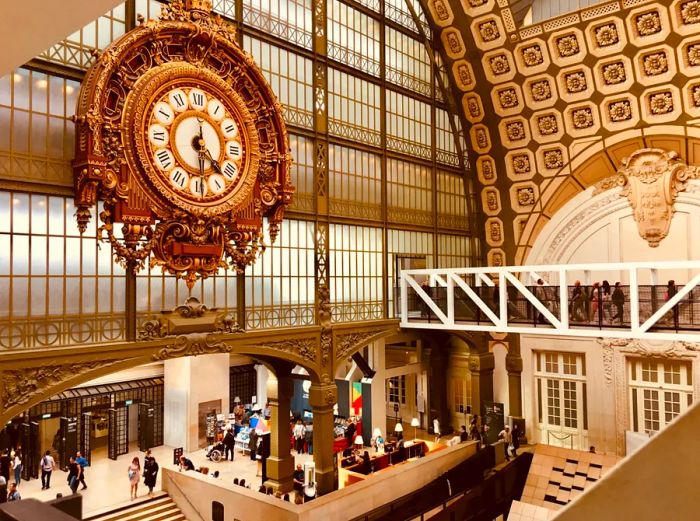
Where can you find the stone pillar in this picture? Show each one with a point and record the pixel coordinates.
(280, 464)
(377, 360)
(439, 358)
(261, 386)
(189, 382)
(514, 366)
(322, 398)
(481, 367)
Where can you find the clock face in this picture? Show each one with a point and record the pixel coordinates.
(195, 143)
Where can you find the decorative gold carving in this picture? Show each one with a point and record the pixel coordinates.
(582, 118)
(553, 158)
(638, 347)
(489, 31)
(499, 64)
(193, 345)
(324, 319)
(541, 90)
(515, 131)
(575, 82)
(508, 98)
(547, 125)
(521, 164)
(302, 347)
(21, 385)
(606, 35)
(532, 55)
(655, 63)
(660, 103)
(648, 23)
(567, 45)
(620, 110)
(693, 54)
(690, 12)
(349, 343)
(651, 179)
(614, 73)
(695, 95)
(191, 317)
(191, 238)
(526, 196)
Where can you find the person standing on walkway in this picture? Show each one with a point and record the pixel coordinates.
(150, 471)
(516, 439)
(507, 437)
(253, 443)
(47, 466)
(309, 435)
(229, 444)
(17, 467)
(618, 300)
(74, 471)
(299, 432)
(83, 462)
(134, 476)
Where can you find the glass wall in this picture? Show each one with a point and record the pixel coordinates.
(394, 183)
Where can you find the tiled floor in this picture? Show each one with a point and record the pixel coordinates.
(557, 475)
(527, 512)
(108, 483)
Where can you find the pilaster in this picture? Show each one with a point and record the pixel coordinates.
(322, 398)
(280, 463)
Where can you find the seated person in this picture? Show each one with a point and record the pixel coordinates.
(463, 435)
(366, 465)
(299, 478)
(454, 440)
(186, 463)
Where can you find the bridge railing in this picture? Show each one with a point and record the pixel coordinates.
(547, 299)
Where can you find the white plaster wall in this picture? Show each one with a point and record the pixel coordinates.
(500, 377)
(176, 404)
(601, 229)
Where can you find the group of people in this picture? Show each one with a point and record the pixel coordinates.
(511, 439)
(303, 434)
(149, 473)
(10, 462)
(591, 304)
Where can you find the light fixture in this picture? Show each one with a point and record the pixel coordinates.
(359, 440)
(399, 427)
(415, 423)
(377, 433)
(237, 399)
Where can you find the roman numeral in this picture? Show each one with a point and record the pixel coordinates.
(229, 128)
(179, 178)
(198, 99)
(179, 100)
(216, 110)
(159, 135)
(218, 184)
(165, 114)
(234, 149)
(164, 158)
(229, 170)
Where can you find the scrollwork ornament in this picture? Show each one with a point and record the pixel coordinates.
(347, 344)
(192, 345)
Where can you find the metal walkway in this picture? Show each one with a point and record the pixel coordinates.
(654, 301)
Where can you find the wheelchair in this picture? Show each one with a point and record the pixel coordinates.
(215, 452)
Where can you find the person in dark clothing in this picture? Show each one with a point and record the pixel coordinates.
(474, 428)
(186, 463)
(83, 462)
(5, 464)
(516, 439)
(74, 472)
(3, 489)
(463, 436)
(670, 293)
(350, 432)
(253, 444)
(229, 443)
(366, 467)
(150, 471)
(618, 300)
(299, 478)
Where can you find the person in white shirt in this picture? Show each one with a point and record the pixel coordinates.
(47, 466)
(507, 440)
(436, 429)
(17, 467)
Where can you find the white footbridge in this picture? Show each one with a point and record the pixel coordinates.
(651, 300)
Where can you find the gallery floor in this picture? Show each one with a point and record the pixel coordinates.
(108, 482)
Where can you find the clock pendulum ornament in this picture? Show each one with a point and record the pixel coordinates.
(180, 138)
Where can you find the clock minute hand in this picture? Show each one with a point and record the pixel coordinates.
(214, 163)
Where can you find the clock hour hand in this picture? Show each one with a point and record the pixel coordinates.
(214, 163)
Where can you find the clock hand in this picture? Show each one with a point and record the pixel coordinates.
(214, 163)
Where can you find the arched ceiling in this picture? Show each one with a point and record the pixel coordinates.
(534, 99)
(31, 26)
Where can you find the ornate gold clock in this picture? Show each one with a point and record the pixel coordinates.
(181, 137)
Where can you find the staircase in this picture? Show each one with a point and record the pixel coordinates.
(160, 508)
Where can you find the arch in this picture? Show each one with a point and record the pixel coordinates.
(590, 165)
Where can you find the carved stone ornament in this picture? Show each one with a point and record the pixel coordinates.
(303, 347)
(346, 345)
(191, 317)
(324, 320)
(637, 347)
(21, 385)
(181, 138)
(651, 179)
(192, 345)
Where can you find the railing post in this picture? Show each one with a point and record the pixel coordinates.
(450, 298)
(563, 299)
(634, 300)
(403, 296)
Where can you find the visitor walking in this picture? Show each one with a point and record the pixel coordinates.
(17, 467)
(150, 471)
(47, 466)
(134, 476)
(507, 438)
(83, 462)
(229, 444)
(299, 432)
(618, 300)
(74, 471)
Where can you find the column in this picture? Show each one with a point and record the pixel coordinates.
(280, 463)
(262, 374)
(377, 357)
(481, 364)
(439, 408)
(322, 398)
(514, 366)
